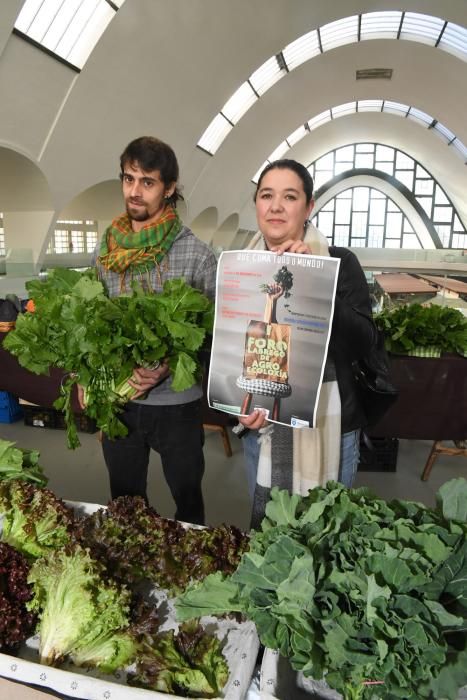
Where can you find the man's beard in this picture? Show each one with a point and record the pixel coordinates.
(137, 214)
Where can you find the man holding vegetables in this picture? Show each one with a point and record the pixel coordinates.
(149, 244)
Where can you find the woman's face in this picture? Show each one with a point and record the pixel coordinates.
(281, 207)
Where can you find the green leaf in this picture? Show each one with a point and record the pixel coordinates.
(452, 499)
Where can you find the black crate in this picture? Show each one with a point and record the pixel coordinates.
(378, 454)
(40, 417)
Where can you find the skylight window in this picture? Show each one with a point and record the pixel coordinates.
(418, 116)
(454, 40)
(444, 132)
(296, 135)
(69, 29)
(321, 118)
(460, 148)
(380, 25)
(239, 103)
(395, 108)
(342, 110)
(215, 134)
(255, 177)
(301, 50)
(412, 26)
(282, 148)
(266, 75)
(370, 105)
(423, 28)
(339, 33)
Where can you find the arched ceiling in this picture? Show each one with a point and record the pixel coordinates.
(166, 67)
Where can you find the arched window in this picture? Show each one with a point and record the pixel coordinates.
(364, 217)
(352, 214)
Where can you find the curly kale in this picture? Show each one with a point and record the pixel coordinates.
(135, 543)
(34, 519)
(16, 622)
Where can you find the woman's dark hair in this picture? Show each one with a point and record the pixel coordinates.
(152, 154)
(298, 169)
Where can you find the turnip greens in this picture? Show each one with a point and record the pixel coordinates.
(100, 340)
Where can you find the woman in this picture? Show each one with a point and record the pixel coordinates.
(299, 459)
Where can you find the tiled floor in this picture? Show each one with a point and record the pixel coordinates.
(81, 475)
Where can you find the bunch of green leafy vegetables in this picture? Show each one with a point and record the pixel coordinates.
(100, 340)
(134, 543)
(34, 520)
(410, 326)
(20, 464)
(354, 589)
(189, 663)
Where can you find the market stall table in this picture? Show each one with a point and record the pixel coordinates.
(432, 403)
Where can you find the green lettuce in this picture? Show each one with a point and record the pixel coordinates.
(82, 615)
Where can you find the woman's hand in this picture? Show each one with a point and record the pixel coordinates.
(292, 246)
(255, 420)
(144, 379)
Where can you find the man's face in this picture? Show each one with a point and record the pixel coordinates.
(144, 194)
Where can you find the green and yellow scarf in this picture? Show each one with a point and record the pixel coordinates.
(122, 248)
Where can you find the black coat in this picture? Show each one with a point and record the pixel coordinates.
(353, 333)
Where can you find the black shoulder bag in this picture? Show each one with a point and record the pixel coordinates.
(375, 390)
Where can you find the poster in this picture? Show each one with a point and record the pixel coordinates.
(271, 334)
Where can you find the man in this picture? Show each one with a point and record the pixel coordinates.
(150, 244)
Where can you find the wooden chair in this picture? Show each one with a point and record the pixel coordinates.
(216, 420)
(460, 450)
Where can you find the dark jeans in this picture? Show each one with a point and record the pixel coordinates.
(176, 433)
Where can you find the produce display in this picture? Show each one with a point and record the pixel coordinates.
(413, 325)
(96, 589)
(20, 464)
(100, 340)
(370, 596)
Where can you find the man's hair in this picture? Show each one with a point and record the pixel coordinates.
(153, 154)
(297, 168)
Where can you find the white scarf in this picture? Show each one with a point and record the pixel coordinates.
(299, 459)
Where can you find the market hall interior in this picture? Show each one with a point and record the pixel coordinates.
(368, 94)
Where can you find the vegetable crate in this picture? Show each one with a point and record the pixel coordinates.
(10, 410)
(379, 456)
(40, 417)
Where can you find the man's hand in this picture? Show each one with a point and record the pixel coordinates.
(255, 420)
(144, 379)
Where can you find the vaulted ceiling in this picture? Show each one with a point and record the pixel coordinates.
(168, 67)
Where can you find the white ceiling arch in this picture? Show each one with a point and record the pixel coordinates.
(359, 106)
(394, 25)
